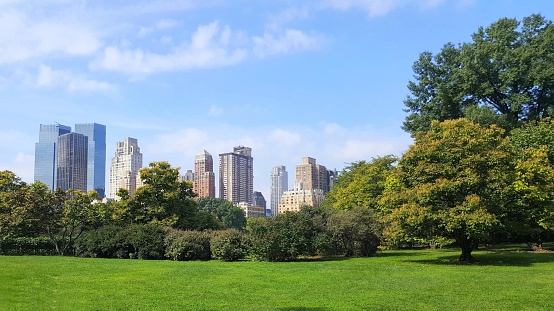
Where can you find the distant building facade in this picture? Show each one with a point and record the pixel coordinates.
(259, 199)
(279, 184)
(310, 175)
(96, 166)
(124, 170)
(72, 162)
(189, 176)
(292, 200)
(204, 176)
(236, 175)
(252, 211)
(46, 153)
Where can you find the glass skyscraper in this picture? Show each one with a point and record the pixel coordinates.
(46, 153)
(96, 167)
(72, 162)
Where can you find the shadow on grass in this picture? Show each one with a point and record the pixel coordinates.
(398, 253)
(521, 259)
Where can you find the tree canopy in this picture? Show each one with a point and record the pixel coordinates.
(462, 181)
(505, 75)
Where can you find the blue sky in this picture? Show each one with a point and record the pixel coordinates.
(289, 79)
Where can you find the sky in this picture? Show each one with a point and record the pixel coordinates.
(290, 79)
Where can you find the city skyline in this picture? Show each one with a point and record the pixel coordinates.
(324, 79)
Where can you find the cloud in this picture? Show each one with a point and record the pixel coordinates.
(290, 40)
(207, 48)
(22, 165)
(277, 21)
(210, 46)
(376, 8)
(48, 77)
(23, 38)
(286, 138)
(215, 111)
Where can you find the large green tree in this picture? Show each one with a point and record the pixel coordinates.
(230, 215)
(461, 181)
(361, 184)
(505, 75)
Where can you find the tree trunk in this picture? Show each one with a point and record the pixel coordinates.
(467, 246)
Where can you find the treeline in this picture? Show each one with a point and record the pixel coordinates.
(164, 220)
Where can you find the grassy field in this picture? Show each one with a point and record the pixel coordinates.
(394, 280)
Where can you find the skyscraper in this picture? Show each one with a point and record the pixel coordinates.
(259, 199)
(124, 170)
(310, 175)
(46, 153)
(236, 175)
(204, 177)
(279, 184)
(72, 162)
(96, 171)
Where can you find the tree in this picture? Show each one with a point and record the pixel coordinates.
(163, 199)
(230, 215)
(361, 184)
(455, 182)
(507, 69)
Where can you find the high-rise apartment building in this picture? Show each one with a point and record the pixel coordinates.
(279, 184)
(46, 153)
(124, 170)
(310, 175)
(293, 200)
(96, 167)
(236, 175)
(189, 176)
(72, 162)
(204, 177)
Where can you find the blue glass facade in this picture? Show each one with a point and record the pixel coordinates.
(46, 153)
(96, 167)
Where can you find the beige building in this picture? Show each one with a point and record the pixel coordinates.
(292, 200)
(310, 175)
(204, 177)
(252, 211)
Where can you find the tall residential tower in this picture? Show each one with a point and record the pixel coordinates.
(204, 177)
(279, 184)
(236, 175)
(124, 171)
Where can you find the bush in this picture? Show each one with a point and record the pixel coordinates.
(133, 241)
(187, 245)
(354, 232)
(27, 246)
(228, 245)
(282, 238)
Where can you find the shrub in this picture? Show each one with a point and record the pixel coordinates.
(228, 245)
(145, 241)
(187, 245)
(104, 242)
(134, 241)
(41, 245)
(354, 232)
(282, 238)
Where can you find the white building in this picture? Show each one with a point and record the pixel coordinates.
(124, 170)
(279, 184)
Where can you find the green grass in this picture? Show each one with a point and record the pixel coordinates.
(394, 280)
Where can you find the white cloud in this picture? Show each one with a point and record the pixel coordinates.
(286, 138)
(215, 111)
(22, 165)
(277, 21)
(48, 77)
(204, 50)
(376, 8)
(23, 38)
(290, 40)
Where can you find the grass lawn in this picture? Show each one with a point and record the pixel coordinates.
(394, 280)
